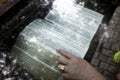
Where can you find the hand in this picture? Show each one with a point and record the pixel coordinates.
(77, 68)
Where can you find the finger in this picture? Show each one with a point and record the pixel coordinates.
(63, 68)
(65, 76)
(63, 60)
(65, 54)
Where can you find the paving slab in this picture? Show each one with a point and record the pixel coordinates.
(103, 57)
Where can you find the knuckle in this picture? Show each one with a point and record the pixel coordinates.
(68, 62)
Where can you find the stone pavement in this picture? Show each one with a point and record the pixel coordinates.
(103, 57)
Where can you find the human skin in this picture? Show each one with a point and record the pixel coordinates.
(77, 68)
(118, 76)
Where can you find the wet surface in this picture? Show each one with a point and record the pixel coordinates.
(13, 21)
(9, 70)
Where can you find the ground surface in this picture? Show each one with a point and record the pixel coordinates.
(18, 17)
(110, 44)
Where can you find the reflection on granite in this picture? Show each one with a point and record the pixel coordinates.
(12, 25)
